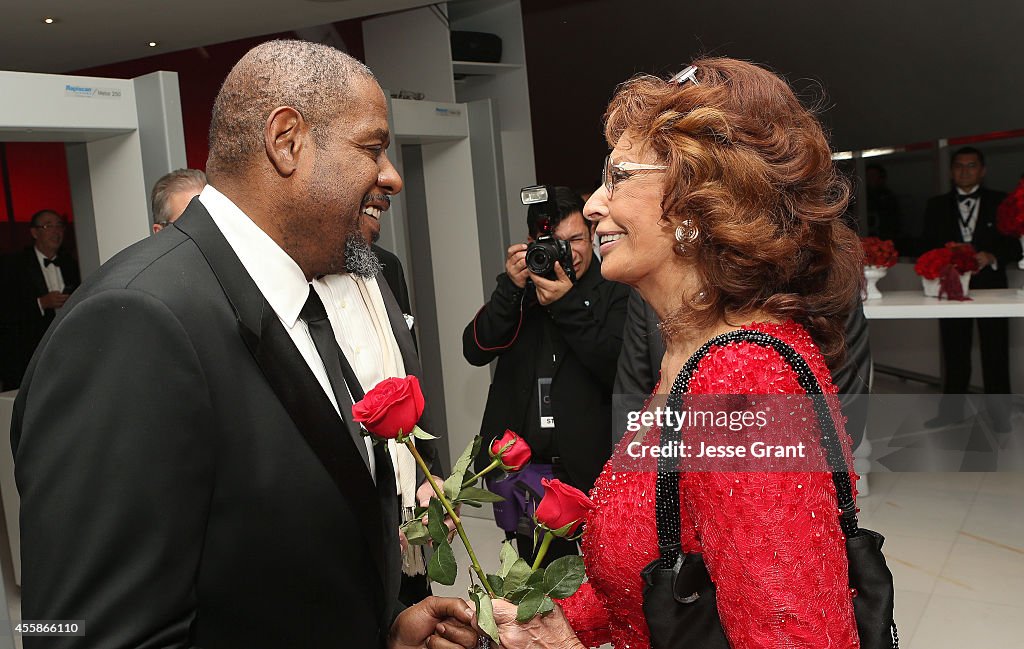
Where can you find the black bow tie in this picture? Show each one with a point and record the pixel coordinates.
(964, 197)
(54, 261)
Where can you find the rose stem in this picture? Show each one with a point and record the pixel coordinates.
(476, 476)
(455, 518)
(544, 544)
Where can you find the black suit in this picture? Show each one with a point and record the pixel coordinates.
(942, 217)
(22, 323)
(185, 481)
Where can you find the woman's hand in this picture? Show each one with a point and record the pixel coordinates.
(551, 631)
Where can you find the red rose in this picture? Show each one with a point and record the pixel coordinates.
(515, 456)
(562, 505)
(392, 406)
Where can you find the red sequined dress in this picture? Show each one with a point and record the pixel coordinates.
(771, 540)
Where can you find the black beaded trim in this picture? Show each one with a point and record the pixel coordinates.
(667, 486)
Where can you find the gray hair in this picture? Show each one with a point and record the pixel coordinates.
(178, 180)
(312, 78)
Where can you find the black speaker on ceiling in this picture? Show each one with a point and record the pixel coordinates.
(479, 47)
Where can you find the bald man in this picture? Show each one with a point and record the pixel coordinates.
(191, 476)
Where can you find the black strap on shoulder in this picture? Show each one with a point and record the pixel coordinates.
(667, 487)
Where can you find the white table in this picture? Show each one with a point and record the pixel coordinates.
(984, 303)
(913, 305)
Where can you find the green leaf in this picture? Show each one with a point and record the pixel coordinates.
(547, 606)
(564, 576)
(517, 575)
(476, 494)
(517, 596)
(497, 584)
(485, 614)
(453, 485)
(419, 433)
(435, 521)
(563, 531)
(442, 567)
(416, 532)
(530, 606)
(508, 556)
(420, 512)
(536, 579)
(471, 503)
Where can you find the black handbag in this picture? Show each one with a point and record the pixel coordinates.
(679, 596)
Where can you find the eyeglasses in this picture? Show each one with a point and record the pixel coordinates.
(615, 172)
(59, 226)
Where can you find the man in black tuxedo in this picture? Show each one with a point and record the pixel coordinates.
(189, 470)
(967, 214)
(38, 281)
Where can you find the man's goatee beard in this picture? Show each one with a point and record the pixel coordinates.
(359, 258)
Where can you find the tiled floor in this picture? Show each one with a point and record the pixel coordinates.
(954, 543)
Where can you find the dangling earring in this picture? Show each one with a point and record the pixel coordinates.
(686, 234)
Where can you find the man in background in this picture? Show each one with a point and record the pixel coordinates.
(556, 342)
(967, 214)
(172, 193)
(38, 281)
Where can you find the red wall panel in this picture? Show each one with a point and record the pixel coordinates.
(38, 174)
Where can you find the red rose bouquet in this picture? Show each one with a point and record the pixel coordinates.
(931, 264)
(961, 256)
(1010, 216)
(879, 252)
(391, 410)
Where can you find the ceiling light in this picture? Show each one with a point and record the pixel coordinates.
(152, 43)
(49, 21)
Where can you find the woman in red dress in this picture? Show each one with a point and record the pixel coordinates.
(721, 205)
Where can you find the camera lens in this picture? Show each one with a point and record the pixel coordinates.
(538, 260)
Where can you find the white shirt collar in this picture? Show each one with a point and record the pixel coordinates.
(963, 192)
(276, 274)
(40, 256)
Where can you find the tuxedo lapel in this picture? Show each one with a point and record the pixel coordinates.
(34, 274)
(403, 335)
(293, 382)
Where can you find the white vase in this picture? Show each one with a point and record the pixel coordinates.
(872, 274)
(965, 282)
(931, 287)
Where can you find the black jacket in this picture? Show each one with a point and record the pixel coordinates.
(184, 480)
(941, 224)
(585, 340)
(22, 325)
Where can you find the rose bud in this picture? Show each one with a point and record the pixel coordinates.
(562, 505)
(512, 451)
(393, 406)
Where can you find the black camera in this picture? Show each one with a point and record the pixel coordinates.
(545, 251)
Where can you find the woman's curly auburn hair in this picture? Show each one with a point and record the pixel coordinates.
(751, 168)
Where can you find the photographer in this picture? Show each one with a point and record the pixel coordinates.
(556, 334)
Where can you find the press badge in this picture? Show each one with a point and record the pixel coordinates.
(547, 415)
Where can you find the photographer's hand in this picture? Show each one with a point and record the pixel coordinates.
(549, 290)
(515, 264)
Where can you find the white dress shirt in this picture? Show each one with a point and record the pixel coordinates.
(969, 209)
(51, 273)
(281, 282)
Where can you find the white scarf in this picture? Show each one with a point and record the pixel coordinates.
(401, 458)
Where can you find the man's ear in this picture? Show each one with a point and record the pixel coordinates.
(285, 136)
